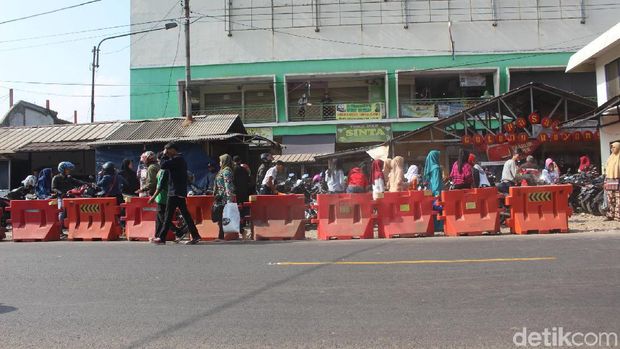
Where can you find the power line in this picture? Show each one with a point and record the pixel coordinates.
(176, 53)
(143, 35)
(85, 31)
(48, 12)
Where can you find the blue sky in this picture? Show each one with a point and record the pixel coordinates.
(25, 56)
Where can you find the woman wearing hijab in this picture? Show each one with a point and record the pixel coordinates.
(356, 181)
(129, 174)
(584, 163)
(44, 184)
(387, 168)
(612, 183)
(378, 182)
(397, 175)
(432, 173)
(224, 187)
(412, 177)
(550, 173)
(461, 175)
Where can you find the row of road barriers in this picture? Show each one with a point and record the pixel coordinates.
(540, 209)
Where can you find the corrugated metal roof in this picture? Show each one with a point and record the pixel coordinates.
(14, 138)
(54, 146)
(296, 158)
(165, 140)
(164, 130)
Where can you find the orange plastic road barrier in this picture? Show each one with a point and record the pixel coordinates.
(200, 208)
(278, 217)
(470, 211)
(140, 219)
(541, 209)
(345, 216)
(405, 214)
(35, 220)
(92, 219)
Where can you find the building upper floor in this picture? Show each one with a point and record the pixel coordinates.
(241, 31)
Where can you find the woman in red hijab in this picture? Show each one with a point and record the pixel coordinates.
(377, 180)
(356, 181)
(584, 163)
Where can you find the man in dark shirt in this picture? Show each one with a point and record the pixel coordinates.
(177, 192)
(63, 182)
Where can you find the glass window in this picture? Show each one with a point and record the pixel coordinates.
(612, 77)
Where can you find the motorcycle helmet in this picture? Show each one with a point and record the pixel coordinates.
(65, 165)
(316, 178)
(265, 157)
(108, 168)
(30, 181)
(148, 157)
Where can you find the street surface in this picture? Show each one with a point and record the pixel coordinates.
(473, 292)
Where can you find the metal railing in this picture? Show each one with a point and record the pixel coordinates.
(249, 114)
(435, 107)
(325, 111)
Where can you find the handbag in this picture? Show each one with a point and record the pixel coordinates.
(217, 211)
(231, 218)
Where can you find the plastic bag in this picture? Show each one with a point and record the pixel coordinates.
(231, 220)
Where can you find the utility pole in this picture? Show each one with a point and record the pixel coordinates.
(188, 74)
(94, 67)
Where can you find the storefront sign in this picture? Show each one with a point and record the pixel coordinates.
(448, 109)
(359, 111)
(363, 133)
(417, 110)
(266, 132)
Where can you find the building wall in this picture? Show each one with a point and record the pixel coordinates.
(150, 98)
(33, 118)
(601, 83)
(353, 29)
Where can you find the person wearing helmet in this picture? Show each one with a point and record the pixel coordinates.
(63, 182)
(26, 191)
(111, 183)
(266, 159)
(148, 174)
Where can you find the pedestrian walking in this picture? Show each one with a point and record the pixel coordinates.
(356, 181)
(387, 169)
(461, 175)
(397, 175)
(266, 159)
(412, 177)
(161, 198)
(432, 173)
(224, 190)
(177, 193)
(550, 174)
(148, 174)
(378, 182)
(612, 183)
(129, 174)
(334, 177)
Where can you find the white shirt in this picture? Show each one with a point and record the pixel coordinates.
(484, 180)
(335, 180)
(509, 172)
(377, 187)
(271, 173)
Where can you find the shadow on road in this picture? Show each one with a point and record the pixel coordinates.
(6, 309)
(241, 299)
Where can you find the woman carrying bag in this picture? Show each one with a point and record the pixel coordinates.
(224, 193)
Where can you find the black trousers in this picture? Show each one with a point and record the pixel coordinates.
(172, 204)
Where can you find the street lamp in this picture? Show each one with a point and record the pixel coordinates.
(95, 63)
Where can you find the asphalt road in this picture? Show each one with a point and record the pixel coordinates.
(236, 295)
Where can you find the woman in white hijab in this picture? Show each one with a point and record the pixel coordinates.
(412, 176)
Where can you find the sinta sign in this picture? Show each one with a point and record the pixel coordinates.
(363, 133)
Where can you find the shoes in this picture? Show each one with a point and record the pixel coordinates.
(157, 241)
(193, 242)
(178, 239)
